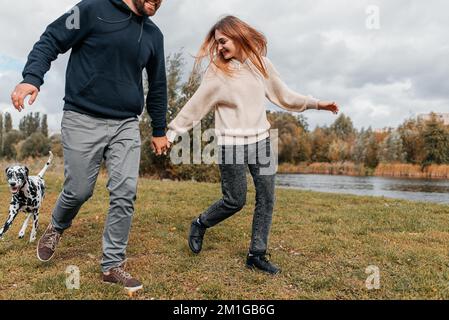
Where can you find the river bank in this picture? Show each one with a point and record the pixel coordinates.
(397, 170)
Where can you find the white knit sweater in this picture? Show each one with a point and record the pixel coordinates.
(239, 103)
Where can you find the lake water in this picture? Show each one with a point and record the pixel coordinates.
(408, 189)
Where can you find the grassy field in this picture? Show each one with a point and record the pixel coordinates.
(323, 242)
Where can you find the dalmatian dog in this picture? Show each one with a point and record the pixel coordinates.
(27, 195)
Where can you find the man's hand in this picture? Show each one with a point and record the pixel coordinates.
(159, 145)
(329, 106)
(19, 94)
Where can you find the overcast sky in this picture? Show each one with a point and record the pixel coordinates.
(331, 49)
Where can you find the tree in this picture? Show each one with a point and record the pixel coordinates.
(302, 122)
(343, 128)
(321, 140)
(411, 132)
(366, 148)
(436, 142)
(371, 158)
(36, 145)
(391, 149)
(30, 123)
(188, 89)
(8, 122)
(175, 63)
(11, 139)
(294, 144)
(359, 147)
(150, 164)
(178, 95)
(339, 150)
(44, 125)
(56, 145)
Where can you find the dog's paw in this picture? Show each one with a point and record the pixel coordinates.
(33, 237)
(21, 235)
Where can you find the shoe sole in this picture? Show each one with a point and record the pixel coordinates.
(134, 289)
(130, 291)
(255, 269)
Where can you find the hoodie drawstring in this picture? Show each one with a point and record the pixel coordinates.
(141, 29)
(124, 20)
(116, 21)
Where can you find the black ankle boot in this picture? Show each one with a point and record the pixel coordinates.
(261, 263)
(196, 235)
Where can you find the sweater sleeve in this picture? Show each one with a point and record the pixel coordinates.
(282, 96)
(199, 105)
(59, 37)
(157, 92)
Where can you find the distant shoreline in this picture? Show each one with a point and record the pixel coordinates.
(394, 170)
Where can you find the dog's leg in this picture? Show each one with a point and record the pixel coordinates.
(24, 226)
(13, 211)
(35, 226)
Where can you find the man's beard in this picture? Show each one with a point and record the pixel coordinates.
(140, 6)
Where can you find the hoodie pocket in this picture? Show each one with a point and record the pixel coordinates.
(113, 93)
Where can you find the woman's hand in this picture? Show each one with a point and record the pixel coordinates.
(329, 106)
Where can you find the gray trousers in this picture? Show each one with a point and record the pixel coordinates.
(233, 164)
(86, 142)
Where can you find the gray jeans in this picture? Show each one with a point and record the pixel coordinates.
(86, 142)
(234, 162)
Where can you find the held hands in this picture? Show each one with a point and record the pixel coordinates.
(328, 106)
(160, 145)
(19, 94)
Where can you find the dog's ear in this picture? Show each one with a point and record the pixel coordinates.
(6, 170)
(26, 170)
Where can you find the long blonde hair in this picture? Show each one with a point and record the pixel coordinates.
(246, 39)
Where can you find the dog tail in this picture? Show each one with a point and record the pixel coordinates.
(41, 174)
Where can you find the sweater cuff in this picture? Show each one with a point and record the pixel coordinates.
(171, 136)
(312, 103)
(159, 132)
(33, 80)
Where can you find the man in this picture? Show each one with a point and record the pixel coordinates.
(113, 41)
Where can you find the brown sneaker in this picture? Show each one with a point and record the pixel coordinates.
(119, 276)
(47, 244)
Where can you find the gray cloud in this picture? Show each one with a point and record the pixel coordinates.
(323, 48)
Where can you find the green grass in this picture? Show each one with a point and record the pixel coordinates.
(323, 242)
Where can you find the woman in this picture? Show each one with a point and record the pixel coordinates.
(235, 85)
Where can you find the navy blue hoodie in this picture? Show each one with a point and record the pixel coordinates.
(110, 49)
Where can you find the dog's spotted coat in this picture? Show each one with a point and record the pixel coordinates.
(27, 195)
